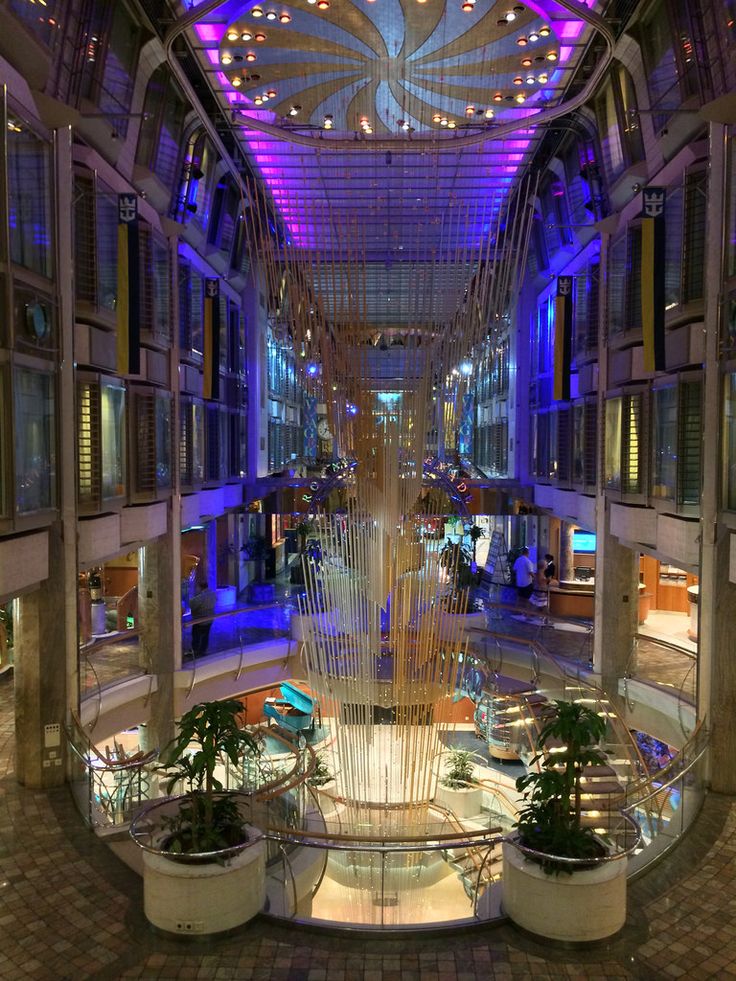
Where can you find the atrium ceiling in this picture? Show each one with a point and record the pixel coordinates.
(409, 119)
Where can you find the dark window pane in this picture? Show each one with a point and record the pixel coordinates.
(35, 441)
(29, 205)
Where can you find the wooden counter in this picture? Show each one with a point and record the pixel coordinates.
(565, 602)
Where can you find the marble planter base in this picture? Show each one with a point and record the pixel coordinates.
(588, 905)
(463, 803)
(205, 899)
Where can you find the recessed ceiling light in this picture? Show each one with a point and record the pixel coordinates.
(518, 80)
(436, 118)
(246, 36)
(237, 81)
(271, 93)
(285, 18)
(250, 56)
(259, 36)
(271, 15)
(232, 35)
(530, 80)
(226, 58)
(470, 110)
(443, 121)
(526, 62)
(551, 56)
(257, 12)
(521, 97)
(521, 41)
(258, 101)
(489, 114)
(497, 97)
(451, 124)
(543, 78)
(294, 110)
(323, 4)
(510, 16)
(533, 36)
(545, 31)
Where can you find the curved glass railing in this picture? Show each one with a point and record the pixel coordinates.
(108, 786)
(666, 803)
(121, 655)
(664, 664)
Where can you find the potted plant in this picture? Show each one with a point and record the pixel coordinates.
(303, 530)
(204, 869)
(321, 775)
(474, 534)
(458, 789)
(567, 901)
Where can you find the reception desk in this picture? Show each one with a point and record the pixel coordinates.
(576, 598)
(573, 598)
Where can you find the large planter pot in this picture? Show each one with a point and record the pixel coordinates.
(588, 905)
(464, 803)
(184, 898)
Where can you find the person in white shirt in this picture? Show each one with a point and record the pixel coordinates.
(524, 574)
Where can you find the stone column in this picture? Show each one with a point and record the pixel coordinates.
(566, 564)
(46, 647)
(720, 639)
(616, 605)
(717, 599)
(40, 675)
(160, 615)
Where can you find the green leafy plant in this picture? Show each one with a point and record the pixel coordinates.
(321, 773)
(208, 819)
(254, 549)
(550, 820)
(303, 530)
(459, 772)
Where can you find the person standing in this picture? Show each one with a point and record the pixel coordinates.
(524, 574)
(202, 606)
(550, 569)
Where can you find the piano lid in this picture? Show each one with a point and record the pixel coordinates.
(298, 698)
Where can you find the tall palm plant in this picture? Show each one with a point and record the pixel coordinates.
(550, 820)
(208, 819)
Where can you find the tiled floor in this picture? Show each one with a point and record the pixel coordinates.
(70, 910)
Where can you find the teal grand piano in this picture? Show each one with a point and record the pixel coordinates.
(293, 712)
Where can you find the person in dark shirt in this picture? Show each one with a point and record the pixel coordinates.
(550, 570)
(202, 606)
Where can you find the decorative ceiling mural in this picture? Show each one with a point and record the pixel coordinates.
(390, 113)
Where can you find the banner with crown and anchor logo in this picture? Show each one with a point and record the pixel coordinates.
(563, 339)
(652, 277)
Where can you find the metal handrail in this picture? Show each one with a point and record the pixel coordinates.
(670, 783)
(106, 763)
(137, 830)
(582, 862)
(698, 732)
(667, 644)
(287, 864)
(391, 846)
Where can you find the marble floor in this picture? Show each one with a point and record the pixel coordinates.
(69, 909)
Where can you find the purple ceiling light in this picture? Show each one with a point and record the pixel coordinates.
(377, 61)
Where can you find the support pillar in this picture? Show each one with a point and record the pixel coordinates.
(721, 639)
(46, 636)
(716, 636)
(566, 567)
(160, 614)
(616, 605)
(40, 675)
